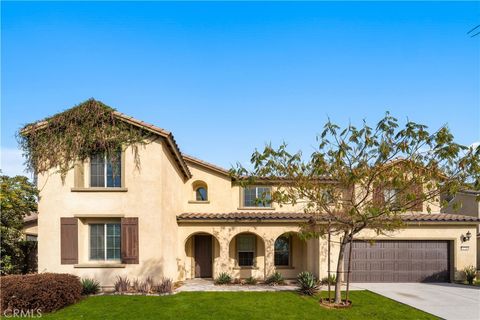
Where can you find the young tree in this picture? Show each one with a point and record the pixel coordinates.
(18, 198)
(366, 178)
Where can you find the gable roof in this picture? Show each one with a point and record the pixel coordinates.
(167, 135)
(205, 164)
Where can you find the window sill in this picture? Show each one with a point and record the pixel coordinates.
(99, 265)
(285, 267)
(245, 268)
(199, 202)
(99, 189)
(255, 208)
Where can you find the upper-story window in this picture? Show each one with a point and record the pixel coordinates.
(255, 196)
(201, 194)
(200, 191)
(390, 195)
(105, 171)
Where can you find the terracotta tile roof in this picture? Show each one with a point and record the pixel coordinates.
(295, 216)
(245, 215)
(31, 218)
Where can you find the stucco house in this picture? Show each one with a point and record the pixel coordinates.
(465, 202)
(181, 217)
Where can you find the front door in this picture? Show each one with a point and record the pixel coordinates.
(203, 256)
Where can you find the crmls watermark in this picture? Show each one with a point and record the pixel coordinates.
(20, 313)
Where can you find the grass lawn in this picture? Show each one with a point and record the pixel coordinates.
(235, 305)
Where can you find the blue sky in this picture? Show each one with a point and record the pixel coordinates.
(227, 78)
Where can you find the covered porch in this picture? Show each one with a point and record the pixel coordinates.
(244, 248)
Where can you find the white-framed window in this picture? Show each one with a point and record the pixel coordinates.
(256, 196)
(246, 250)
(105, 241)
(390, 195)
(106, 171)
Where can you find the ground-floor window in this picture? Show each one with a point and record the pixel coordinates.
(282, 251)
(105, 241)
(246, 250)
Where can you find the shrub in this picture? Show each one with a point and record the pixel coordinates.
(164, 286)
(223, 278)
(307, 283)
(275, 279)
(122, 284)
(251, 280)
(331, 279)
(43, 292)
(470, 274)
(146, 286)
(90, 286)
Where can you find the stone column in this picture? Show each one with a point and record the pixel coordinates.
(269, 256)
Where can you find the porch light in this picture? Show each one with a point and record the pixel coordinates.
(466, 237)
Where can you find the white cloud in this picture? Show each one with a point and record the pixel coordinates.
(11, 162)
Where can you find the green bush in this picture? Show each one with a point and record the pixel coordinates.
(251, 281)
(275, 279)
(307, 283)
(223, 278)
(470, 274)
(40, 293)
(90, 286)
(331, 279)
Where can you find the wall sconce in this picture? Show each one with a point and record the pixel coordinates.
(466, 237)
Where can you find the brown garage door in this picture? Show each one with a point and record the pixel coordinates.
(400, 261)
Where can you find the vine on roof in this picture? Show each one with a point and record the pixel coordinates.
(61, 140)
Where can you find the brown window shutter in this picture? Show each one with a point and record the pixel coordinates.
(69, 240)
(378, 196)
(417, 190)
(130, 240)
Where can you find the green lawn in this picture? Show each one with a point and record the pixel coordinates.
(235, 305)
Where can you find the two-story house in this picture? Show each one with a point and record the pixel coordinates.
(180, 217)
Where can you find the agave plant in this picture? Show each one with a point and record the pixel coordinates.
(307, 283)
(90, 286)
(470, 274)
(275, 279)
(223, 278)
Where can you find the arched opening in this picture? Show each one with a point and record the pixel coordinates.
(200, 191)
(203, 251)
(247, 252)
(290, 254)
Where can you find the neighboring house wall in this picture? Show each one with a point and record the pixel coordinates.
(465, 203)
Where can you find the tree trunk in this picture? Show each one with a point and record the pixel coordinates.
(349, 267)
(338, 284)
(329, 264)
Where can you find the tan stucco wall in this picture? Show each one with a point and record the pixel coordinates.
(30, 229)
(469, 206)
(152, 196)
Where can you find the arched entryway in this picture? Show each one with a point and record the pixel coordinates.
(247, 254)
(202, 250)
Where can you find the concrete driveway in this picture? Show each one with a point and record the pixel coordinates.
(445, 300)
